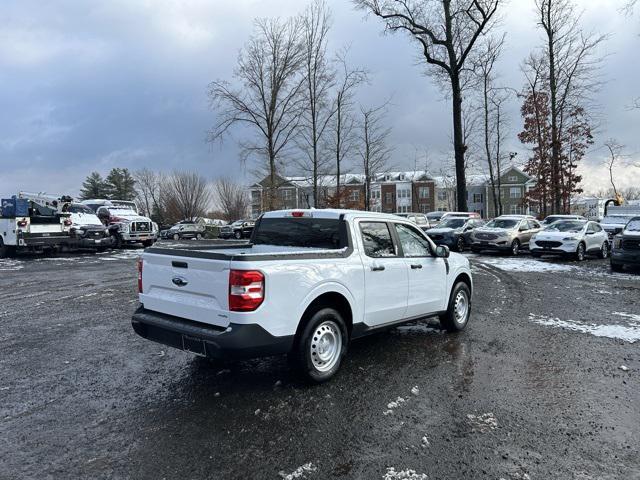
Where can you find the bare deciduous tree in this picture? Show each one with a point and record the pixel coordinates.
(148, 188)
(447, 32)
(572, 60)
(343, 138)
(372, 148)
(615, 154)
(231, 199)
(268, 95)
(494, 122)
(189, 193)
(317, 108)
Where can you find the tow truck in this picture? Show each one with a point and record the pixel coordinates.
(34, 222)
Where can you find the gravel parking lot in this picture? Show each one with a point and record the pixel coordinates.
(534, 388)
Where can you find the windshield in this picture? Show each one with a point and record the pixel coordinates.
(77, 208)
(621, 219)
(326, 233)
(566, 226)
(503, 223)
(435, 215)
(552, 219)
(452, 223)
(633, 225)
(121, 211)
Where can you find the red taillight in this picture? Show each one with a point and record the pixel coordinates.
(297, 214)
(140, 275)
(22, 223)
(246, 290)
(67, 222)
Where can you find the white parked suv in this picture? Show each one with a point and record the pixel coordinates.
(308, 283)
(571, 237)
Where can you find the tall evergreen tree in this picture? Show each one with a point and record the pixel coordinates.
(120, 184)
(94, 186)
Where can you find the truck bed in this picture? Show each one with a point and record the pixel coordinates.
(247, 251)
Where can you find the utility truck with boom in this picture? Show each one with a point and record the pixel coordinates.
(308, 283)
(33, 222)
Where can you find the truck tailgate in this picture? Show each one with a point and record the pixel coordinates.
(192, 288)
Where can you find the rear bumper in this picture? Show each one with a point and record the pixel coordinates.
(42, 240)
(622, 257)
(237, 341)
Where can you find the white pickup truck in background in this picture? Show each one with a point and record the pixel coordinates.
(308, 283)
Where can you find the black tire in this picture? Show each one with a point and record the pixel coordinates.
(147, 243)
(176, 236)
(515, 247)
(238, 235)
(581, 252)
(460, 244)
(302, 358)
(617, 267)
(101, 249)
(119, 243)
(198, 236)
(604, 250)
(4, 250)
(475, 250)
(451, 320)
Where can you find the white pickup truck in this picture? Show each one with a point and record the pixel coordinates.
(308, 283)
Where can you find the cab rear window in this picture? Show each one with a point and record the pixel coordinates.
(325, 233)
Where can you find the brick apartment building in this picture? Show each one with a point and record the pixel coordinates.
(396, 192)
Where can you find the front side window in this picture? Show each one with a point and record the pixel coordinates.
(377, 241)
(413, 244)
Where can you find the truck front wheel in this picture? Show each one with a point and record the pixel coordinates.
(319, 350)
(4, 250)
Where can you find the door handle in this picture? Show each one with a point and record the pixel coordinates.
(415, 266)
(377, 268)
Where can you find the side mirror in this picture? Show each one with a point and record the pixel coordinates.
(442, 251)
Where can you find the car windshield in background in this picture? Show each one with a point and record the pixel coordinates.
(566, 226)
(453, 223)
(502, 223)
(301, 232)
(435, 216)
(633, 225)
(80, 209)
(550, 220)
(620, 219)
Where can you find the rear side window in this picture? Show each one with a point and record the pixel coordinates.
(325, 233)
(377, 240)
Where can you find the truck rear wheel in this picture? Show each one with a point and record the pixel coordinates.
(4, 250)
(458, 310)
(319, 350)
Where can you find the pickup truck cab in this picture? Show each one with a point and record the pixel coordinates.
(308, 283)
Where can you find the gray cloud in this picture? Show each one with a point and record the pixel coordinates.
(92, 85)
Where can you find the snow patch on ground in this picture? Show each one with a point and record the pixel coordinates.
(7, 265)
(403, 474)
(299, 472)
(524, 265)
(629, 333)
(482, 423)
(418, 328)
(632, 316)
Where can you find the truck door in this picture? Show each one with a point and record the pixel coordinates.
(386, 279)
(427, 273)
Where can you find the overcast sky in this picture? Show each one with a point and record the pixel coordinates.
(91, 85)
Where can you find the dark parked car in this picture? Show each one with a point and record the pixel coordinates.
(239, 229)
(626, 246)
(454, 232)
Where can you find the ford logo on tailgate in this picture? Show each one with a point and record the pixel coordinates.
(179, 281)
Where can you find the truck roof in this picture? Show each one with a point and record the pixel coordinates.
(329, 213)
